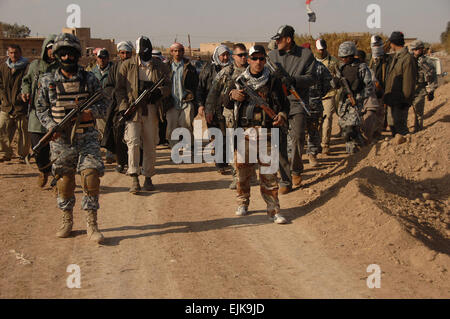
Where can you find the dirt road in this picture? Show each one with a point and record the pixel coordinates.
(184, 241)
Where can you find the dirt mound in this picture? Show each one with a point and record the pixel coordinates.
(389, 203)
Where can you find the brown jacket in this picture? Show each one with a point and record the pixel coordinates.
(400, 80)
(10, 88)
(127, 86)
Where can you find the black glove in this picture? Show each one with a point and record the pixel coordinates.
(155, 96)
(289, 81)
(430, 96)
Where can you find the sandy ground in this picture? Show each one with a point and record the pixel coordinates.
(387, 205)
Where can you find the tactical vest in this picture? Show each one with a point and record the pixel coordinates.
(227, 85)
(67, 95)
(251, 115)
(351, 73)
(423, 71)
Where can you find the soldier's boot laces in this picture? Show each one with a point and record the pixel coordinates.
(93, 233)
(66, 226)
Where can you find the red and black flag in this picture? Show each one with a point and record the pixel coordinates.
(311, 14)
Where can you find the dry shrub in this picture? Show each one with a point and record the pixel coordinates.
(362, 41)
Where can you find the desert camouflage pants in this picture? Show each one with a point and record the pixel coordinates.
(268, 182)
(69, 159)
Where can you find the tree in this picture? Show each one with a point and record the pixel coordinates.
(14, 30)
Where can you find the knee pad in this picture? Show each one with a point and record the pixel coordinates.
(90, 179)
(66, 186)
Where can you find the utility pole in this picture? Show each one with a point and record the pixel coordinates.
(190, 49)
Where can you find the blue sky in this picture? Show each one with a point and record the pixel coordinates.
(234, 20)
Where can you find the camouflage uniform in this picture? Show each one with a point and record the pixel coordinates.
(273, 93)
(82, 152)
(314, 121)
(425, 85)
(218, 101)
(350, 117)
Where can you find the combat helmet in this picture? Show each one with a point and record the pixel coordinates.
(347, 48)
(66, 40)
(417, 44)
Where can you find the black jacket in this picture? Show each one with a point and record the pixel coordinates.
(298, 63)
(206, 77)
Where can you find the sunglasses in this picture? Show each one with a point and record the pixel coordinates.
(241, 55)
(256, 58)
(64, 52)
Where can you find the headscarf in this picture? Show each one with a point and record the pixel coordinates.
(125, 46)
(255, 83)
(219, 50)
(376, 44)
(144, 48)
(177, 45)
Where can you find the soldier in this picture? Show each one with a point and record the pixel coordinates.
(379, 64)
(113, 137)
(77, 149)
(101, 71)
(297, 65)
(426, 83)
(400, 85)
(13, 110)
(329, 100)
(360, 87)
(47, 63)
(223, 92)
(135, 75)
(314, 121)
(184, 87)
(220, 59)
(258, 77)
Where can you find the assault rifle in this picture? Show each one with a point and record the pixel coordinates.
(348, 91)
(275, 69)
(77, 110)
(347, 88)
(259, 101)
(135, 105)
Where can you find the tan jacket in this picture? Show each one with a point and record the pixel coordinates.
(127, 86)
(400, 80)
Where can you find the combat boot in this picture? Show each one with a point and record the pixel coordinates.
(92, 228)
(135, 187)
(148, 185)
(66, 226)
(313, 160)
